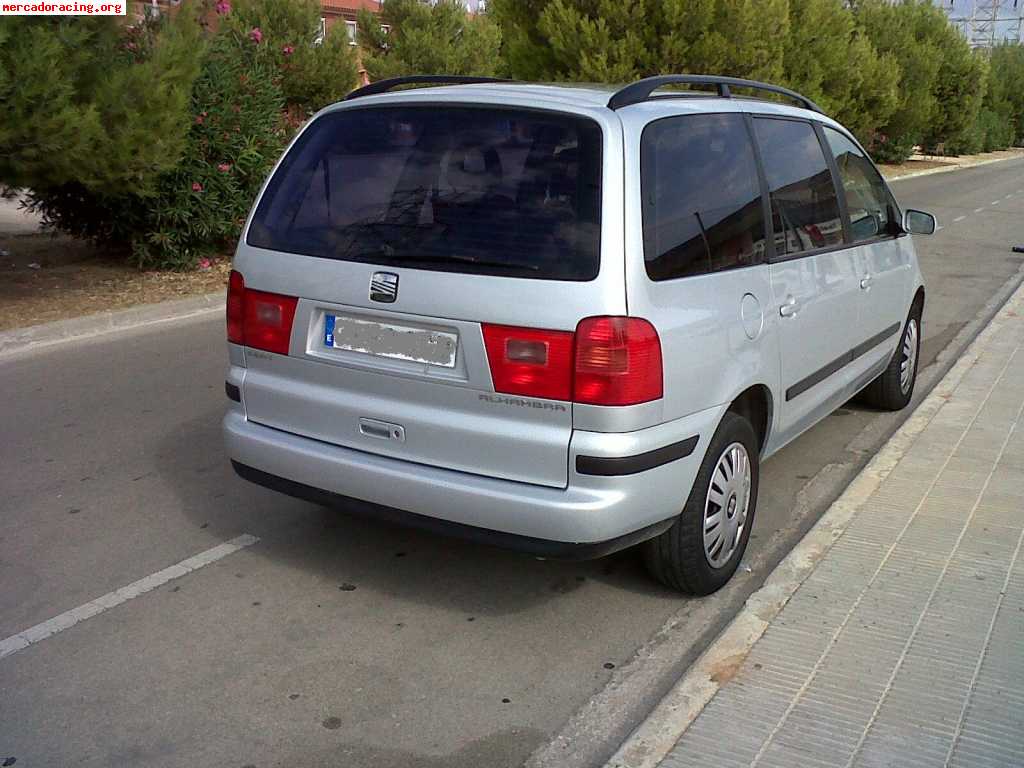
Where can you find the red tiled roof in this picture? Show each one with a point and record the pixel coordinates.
(351, 6)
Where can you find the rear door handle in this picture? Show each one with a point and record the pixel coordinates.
(866, 282)
(789, 308)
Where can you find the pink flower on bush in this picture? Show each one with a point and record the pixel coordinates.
(256, 35)
(223, 8)
(204, 264)
(199, 119)
(288, 50)
(197, 187)
(224, 167)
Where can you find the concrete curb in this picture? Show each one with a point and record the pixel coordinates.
(79, 328)
(655, 737)
(949, 169)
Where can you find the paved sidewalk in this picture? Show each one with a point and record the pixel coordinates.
(905, 645)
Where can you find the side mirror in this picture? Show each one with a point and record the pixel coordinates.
(918, 222)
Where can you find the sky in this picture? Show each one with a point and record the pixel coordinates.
(962, 9)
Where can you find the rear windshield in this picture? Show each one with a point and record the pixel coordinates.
(485, 191)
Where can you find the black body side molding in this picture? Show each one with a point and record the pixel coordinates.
(630, 465)
(840, 362)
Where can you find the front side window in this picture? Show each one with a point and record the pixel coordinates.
(870, 206)
(702, 206)
(805, 208)
(455, 189)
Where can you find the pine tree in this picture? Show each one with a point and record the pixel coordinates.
(909, 33)
(428, 39)
(1005, 96)
(830, 60)
(611, 41)
(86, 103)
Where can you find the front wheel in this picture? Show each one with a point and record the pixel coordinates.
(892, 390)
(703, 548)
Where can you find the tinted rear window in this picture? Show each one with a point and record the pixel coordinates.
(486, 191)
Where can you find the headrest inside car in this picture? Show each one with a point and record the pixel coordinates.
(473, 161)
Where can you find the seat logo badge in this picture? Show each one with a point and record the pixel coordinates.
(384, 287)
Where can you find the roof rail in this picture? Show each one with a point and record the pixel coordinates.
(383, 86)
(642, 90)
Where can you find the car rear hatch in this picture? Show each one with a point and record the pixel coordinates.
(397, 246)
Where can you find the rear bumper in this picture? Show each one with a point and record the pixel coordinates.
(596, 514)
(555, 550)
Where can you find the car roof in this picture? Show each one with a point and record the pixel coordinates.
(576, 97)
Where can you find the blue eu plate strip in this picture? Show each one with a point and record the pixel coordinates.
(328, 330)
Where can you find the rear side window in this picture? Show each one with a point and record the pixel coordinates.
(702, 206)
(805, 209)
(485, 191)
(869, 204)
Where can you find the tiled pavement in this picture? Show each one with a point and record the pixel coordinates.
(905, 646)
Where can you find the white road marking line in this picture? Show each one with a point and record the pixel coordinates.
(59, 623)
(978, 210)
(995, 202)
(959, 218)
(938, 227)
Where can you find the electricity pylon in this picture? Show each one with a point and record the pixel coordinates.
(987, 22)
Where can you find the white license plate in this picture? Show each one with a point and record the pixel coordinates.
(399, 342)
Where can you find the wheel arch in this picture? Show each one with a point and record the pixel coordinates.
(756, 406)
(918, 298)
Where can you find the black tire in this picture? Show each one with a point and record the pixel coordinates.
(677, 557)
(889, 392)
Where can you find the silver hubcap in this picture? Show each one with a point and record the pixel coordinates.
(908, 360)
(726, 506)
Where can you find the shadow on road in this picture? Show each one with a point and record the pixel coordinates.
(352, 550)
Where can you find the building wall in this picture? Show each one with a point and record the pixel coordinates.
(345, 11)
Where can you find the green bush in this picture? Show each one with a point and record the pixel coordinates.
(236, 136)
(831, 60)
(909, 34)
(89, 104)
(439, 38)
(310, 76)
(962, 80)
(252, 77)
(896, 72)
(811, 45)
(886, 149)
(1005, 95)
(998, 131)
(610, 41)
(967, 142)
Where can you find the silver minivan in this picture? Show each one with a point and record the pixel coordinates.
(565, 320)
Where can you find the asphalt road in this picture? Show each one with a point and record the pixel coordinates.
(335, 641)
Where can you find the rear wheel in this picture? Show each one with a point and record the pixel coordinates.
(893, 389)
(703, 548)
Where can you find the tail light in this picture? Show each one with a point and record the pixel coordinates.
(528, 361)
(258, 319)
(607, 361)
(236, 308)
(618, 361)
